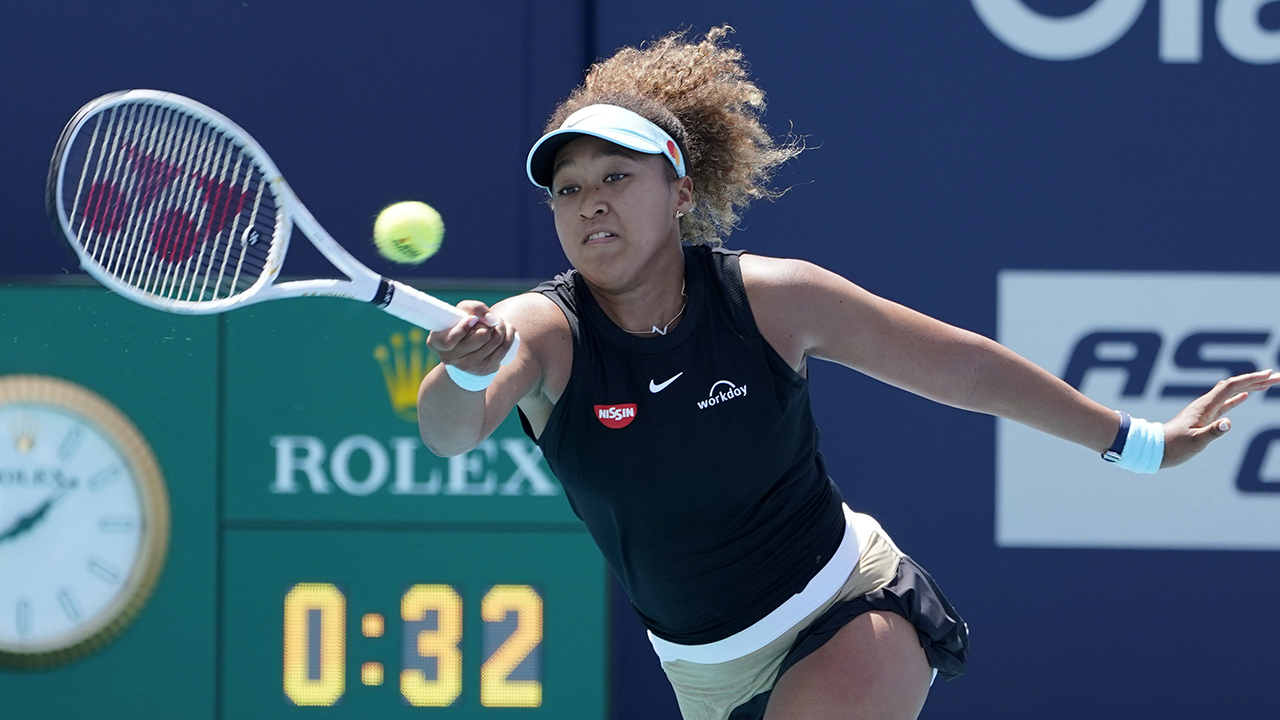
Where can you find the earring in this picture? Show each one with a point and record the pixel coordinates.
(679, 215)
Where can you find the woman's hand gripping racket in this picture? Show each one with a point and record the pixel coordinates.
(175, 207)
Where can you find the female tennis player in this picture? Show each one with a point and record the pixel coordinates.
(664, 379)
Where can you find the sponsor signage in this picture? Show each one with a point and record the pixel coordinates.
(1148, 344)
(363, 575)
(1238, 24)
(321, 424)
(722, 391)
(616, 417)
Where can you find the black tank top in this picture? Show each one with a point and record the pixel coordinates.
(692, 457)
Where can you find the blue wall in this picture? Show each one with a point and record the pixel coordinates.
(359, 104)
(939, 156)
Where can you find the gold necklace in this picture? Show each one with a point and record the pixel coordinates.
(684, 301)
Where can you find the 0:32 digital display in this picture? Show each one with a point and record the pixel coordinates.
(315, 657)
(389, 622)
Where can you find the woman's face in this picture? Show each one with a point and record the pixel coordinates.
(615, 209)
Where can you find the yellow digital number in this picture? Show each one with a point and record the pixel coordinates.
(441, 644)
(299, 685)
(496, 689)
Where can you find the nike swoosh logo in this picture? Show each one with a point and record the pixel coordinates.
(656, 388)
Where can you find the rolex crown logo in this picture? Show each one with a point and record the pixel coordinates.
(403, 370)
(23, 429)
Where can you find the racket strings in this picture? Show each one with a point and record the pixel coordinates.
(175, 231)
(154, 182)
(174, 240)
(121, 258)
(169, 204)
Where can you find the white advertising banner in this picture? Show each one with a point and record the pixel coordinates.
(1148, 344)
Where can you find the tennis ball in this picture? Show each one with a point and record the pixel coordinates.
(408, 232)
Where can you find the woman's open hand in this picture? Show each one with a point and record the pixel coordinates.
(1202, 422)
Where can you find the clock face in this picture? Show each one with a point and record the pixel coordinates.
(83, 520)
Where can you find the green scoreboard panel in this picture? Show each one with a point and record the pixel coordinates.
(323, 563)
(390, 624)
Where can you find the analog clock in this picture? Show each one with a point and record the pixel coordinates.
(84, 521)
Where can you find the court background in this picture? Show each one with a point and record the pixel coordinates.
(938, 157)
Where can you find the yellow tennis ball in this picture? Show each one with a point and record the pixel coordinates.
(408, 232)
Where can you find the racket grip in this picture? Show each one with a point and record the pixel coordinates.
(412, 305)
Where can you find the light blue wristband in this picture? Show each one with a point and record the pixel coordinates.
(476, 383)
(1144, 448)
(467, 381)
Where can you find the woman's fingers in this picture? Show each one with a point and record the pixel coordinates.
(496, 348)
(450, 340)
(471, 342)
(1269, 382)
(1231, 404)
(1234, 390)
(1202, 421)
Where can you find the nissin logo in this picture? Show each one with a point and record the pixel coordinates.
(1135, 354)
(616, 416)
(1047, 37)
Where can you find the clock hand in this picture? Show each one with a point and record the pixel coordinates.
(29, 520)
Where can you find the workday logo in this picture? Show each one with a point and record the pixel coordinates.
(1148, 344)
(722, 391)
(1046, 37)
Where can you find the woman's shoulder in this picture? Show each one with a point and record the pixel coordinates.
(779, 290)
(536, 316)
(562, 285)
(775, 275)
(544, 333)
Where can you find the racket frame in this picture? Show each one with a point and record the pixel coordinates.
(396, 298)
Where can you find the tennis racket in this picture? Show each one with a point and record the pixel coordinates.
(170, 204)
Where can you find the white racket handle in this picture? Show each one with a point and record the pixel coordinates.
(413, 305)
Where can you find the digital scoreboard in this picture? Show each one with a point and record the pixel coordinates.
(322, 562)
(376, 623)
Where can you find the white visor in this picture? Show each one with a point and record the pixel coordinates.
(618, 125)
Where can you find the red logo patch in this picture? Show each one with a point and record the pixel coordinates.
(616, 416)
(673, 152)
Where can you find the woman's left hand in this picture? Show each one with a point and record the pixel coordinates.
(1201, 422)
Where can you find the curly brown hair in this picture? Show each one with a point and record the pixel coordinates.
(698, 92)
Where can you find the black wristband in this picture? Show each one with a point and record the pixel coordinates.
(1114, 452)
